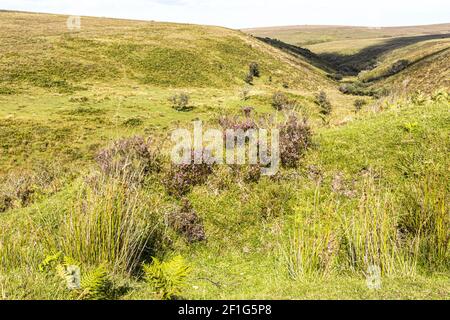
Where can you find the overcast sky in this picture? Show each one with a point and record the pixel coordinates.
(252, 13)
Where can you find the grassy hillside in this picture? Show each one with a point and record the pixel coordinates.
(115, 77)
(312, 36)
(160, 54)
(87, 188)
(375, 54)
(425, 67)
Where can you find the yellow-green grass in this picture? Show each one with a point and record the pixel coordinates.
(161, 54)
(250, 226)
(371, 52)
(412, 54)
(54, 117)
(313, 36)
(425, 73)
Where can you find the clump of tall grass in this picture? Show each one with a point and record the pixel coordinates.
(426, 220)
(112, 224)
(311, 247)
(353, 236)
(369, 234)
(310, 251)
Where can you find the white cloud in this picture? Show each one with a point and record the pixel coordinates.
(251, 13)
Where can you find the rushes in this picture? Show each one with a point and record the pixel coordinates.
(427, 219)
(370, 235)
(337, 237)
(310, 252)
(112, 225)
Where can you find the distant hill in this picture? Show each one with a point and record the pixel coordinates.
(310, 35)
(38, 49)
(397, 58)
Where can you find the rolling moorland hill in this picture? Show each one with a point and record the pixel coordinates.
(114, 71)
(310, 36)
(394, 55)
(362, 190)
(160, 54)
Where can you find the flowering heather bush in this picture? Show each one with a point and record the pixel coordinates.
(181, 178)
(295, 139)
(132, 158)
(238, 123)
(186, 221)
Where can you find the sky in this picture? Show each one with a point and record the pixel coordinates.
(252, 13)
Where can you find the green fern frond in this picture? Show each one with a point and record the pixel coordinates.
(96, 285)
(50, 262)
(167, 278)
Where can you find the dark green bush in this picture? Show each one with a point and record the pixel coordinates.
(180, 102)
(324, 104)
(249, 78)
(254, 69)
(359, 104)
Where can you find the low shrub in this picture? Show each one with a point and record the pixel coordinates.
(180, 179)
(359, 104)
(133, 122)
(7, 91)
(180, 102)
(336, 76)
(279, 101)
(397, 67)
(254, 69)
(324, 104)
(249, 78)
(186, 221)
(295, 139)
(19, 189)
(360, 89)
(131, 159)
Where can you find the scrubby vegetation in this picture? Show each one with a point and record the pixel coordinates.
(180, 102)
(91, 207)
(324, 104)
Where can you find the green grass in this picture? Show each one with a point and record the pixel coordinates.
(372, 190)
(371, 53)
(322, 39)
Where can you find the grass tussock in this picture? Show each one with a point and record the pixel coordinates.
(112, 224)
